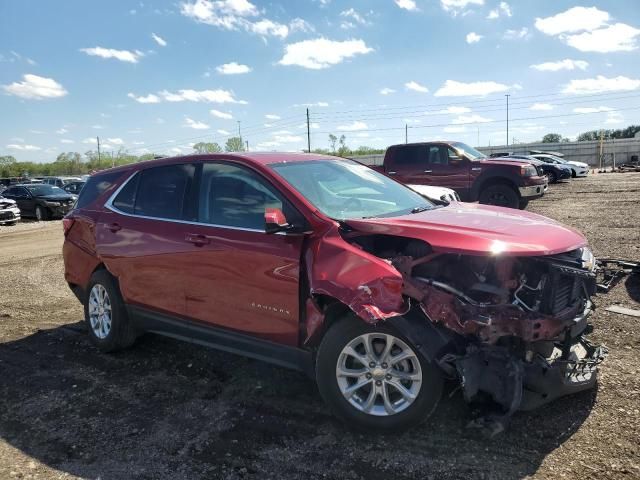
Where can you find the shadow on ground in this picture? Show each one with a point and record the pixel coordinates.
(165, 409)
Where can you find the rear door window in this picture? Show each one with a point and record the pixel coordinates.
(163, 192)
(96, 186)
(410, 156)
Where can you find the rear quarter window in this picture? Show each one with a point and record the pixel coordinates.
(96, 186)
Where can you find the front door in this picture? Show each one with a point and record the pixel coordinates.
(236, 275)
(446, 169)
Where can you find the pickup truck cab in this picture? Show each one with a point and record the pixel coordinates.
(474, 176)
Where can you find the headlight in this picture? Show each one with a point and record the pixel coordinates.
(52, 204)
(528, 171)
(588, 260)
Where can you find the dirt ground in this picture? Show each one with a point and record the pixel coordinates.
(169, 410)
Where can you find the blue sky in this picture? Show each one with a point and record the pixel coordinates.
(159, 76)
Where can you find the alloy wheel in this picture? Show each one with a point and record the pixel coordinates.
(379, 374)
(100, 311)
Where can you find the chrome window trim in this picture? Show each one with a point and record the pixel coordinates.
(109, 205)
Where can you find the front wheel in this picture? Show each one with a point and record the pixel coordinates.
(500, 195)
(551, 176)
(41, 213)
(374, 379)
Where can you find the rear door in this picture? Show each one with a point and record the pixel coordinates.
(142, 236)
(237, 276)
(408, 164)
(446, 169)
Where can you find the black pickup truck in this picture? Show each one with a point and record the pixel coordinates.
(473, 175)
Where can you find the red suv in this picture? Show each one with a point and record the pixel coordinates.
(327, 266)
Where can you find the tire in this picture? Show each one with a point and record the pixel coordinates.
(553, 178)
(500, 195)
(574, 174)
(41, 213)
(523, 204)
(399, 412)
(107, 334)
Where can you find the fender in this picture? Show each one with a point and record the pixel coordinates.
(489, 175)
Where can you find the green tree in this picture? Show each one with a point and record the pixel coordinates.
(234, 144)
(204, 147)
(343, 149)
(552, 138)
(332, 142)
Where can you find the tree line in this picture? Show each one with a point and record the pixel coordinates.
(628, 132)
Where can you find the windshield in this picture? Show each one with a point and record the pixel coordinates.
(39, 190)
(343, 189)
(469, 152)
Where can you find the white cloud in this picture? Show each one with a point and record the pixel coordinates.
(454, 129)
(219, 114)
(516, 34)
(89, 140)
(159, 40)
(565, 64)
(62, 131)
(541, 107)
(575, 19)
(615, 38)
(15, 146)
(453, 110)
(614, 117)
(223, 132)
(138, 143)
(300, 25)
(353, 18)
(34, 87)
(287, 138)
(232, 68)
(591, 109)
(268, 145)
(386, 91)
(316, 104)
(322, 52)
(188, 122)
(115, 141)
(457, 6)
(474, 118)
(97, 127)
(236, 15)
(271, 116)
(211, 96)
(151, 98)
(473, 37)
(283, 132)
(452, 88)
(122, 55)
(175, 150)
(416, 87)
(601, 84)
(406, 5)
(352, 127)
(503, 9)
(66, 140)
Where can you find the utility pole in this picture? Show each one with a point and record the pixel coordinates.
(113, 160)
(507, 95)
(247, 143)
(308, 133)
(98, 139)
(406, 133)
(239, 134)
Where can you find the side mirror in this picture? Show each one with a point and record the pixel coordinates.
(455, 161)
(275, 221)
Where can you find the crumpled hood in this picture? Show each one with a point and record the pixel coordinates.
(475, 229)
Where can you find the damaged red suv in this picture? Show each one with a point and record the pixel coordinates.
(323, 265)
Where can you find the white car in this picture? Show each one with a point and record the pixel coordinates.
(578, 169)
(437, 194)
(9, 211)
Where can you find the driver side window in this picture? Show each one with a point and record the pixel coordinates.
(236, 197)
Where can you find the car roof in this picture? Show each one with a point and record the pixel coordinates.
(256, 158)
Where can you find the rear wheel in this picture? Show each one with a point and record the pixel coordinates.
(105, 314)
(523, 204)
(374, 379)
(500, 195)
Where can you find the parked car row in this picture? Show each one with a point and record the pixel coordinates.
(38, 200)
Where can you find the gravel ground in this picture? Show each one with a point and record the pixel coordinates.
(168, 410)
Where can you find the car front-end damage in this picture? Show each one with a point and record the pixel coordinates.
(509, 321)
(9, 211)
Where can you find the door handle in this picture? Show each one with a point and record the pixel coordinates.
(197, 239)
(391, 173)
(114, 227)
(428, 171)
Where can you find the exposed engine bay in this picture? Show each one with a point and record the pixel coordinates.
(510, 329)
